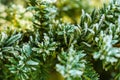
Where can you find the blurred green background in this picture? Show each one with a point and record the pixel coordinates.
(12, 11)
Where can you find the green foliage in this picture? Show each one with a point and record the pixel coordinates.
(47, 44)
(72, 65)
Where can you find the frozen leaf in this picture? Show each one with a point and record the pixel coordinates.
(13, 39)
(76, 73)
(27, 49)
(31, 62)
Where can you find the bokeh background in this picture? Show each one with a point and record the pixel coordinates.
(12, 12)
